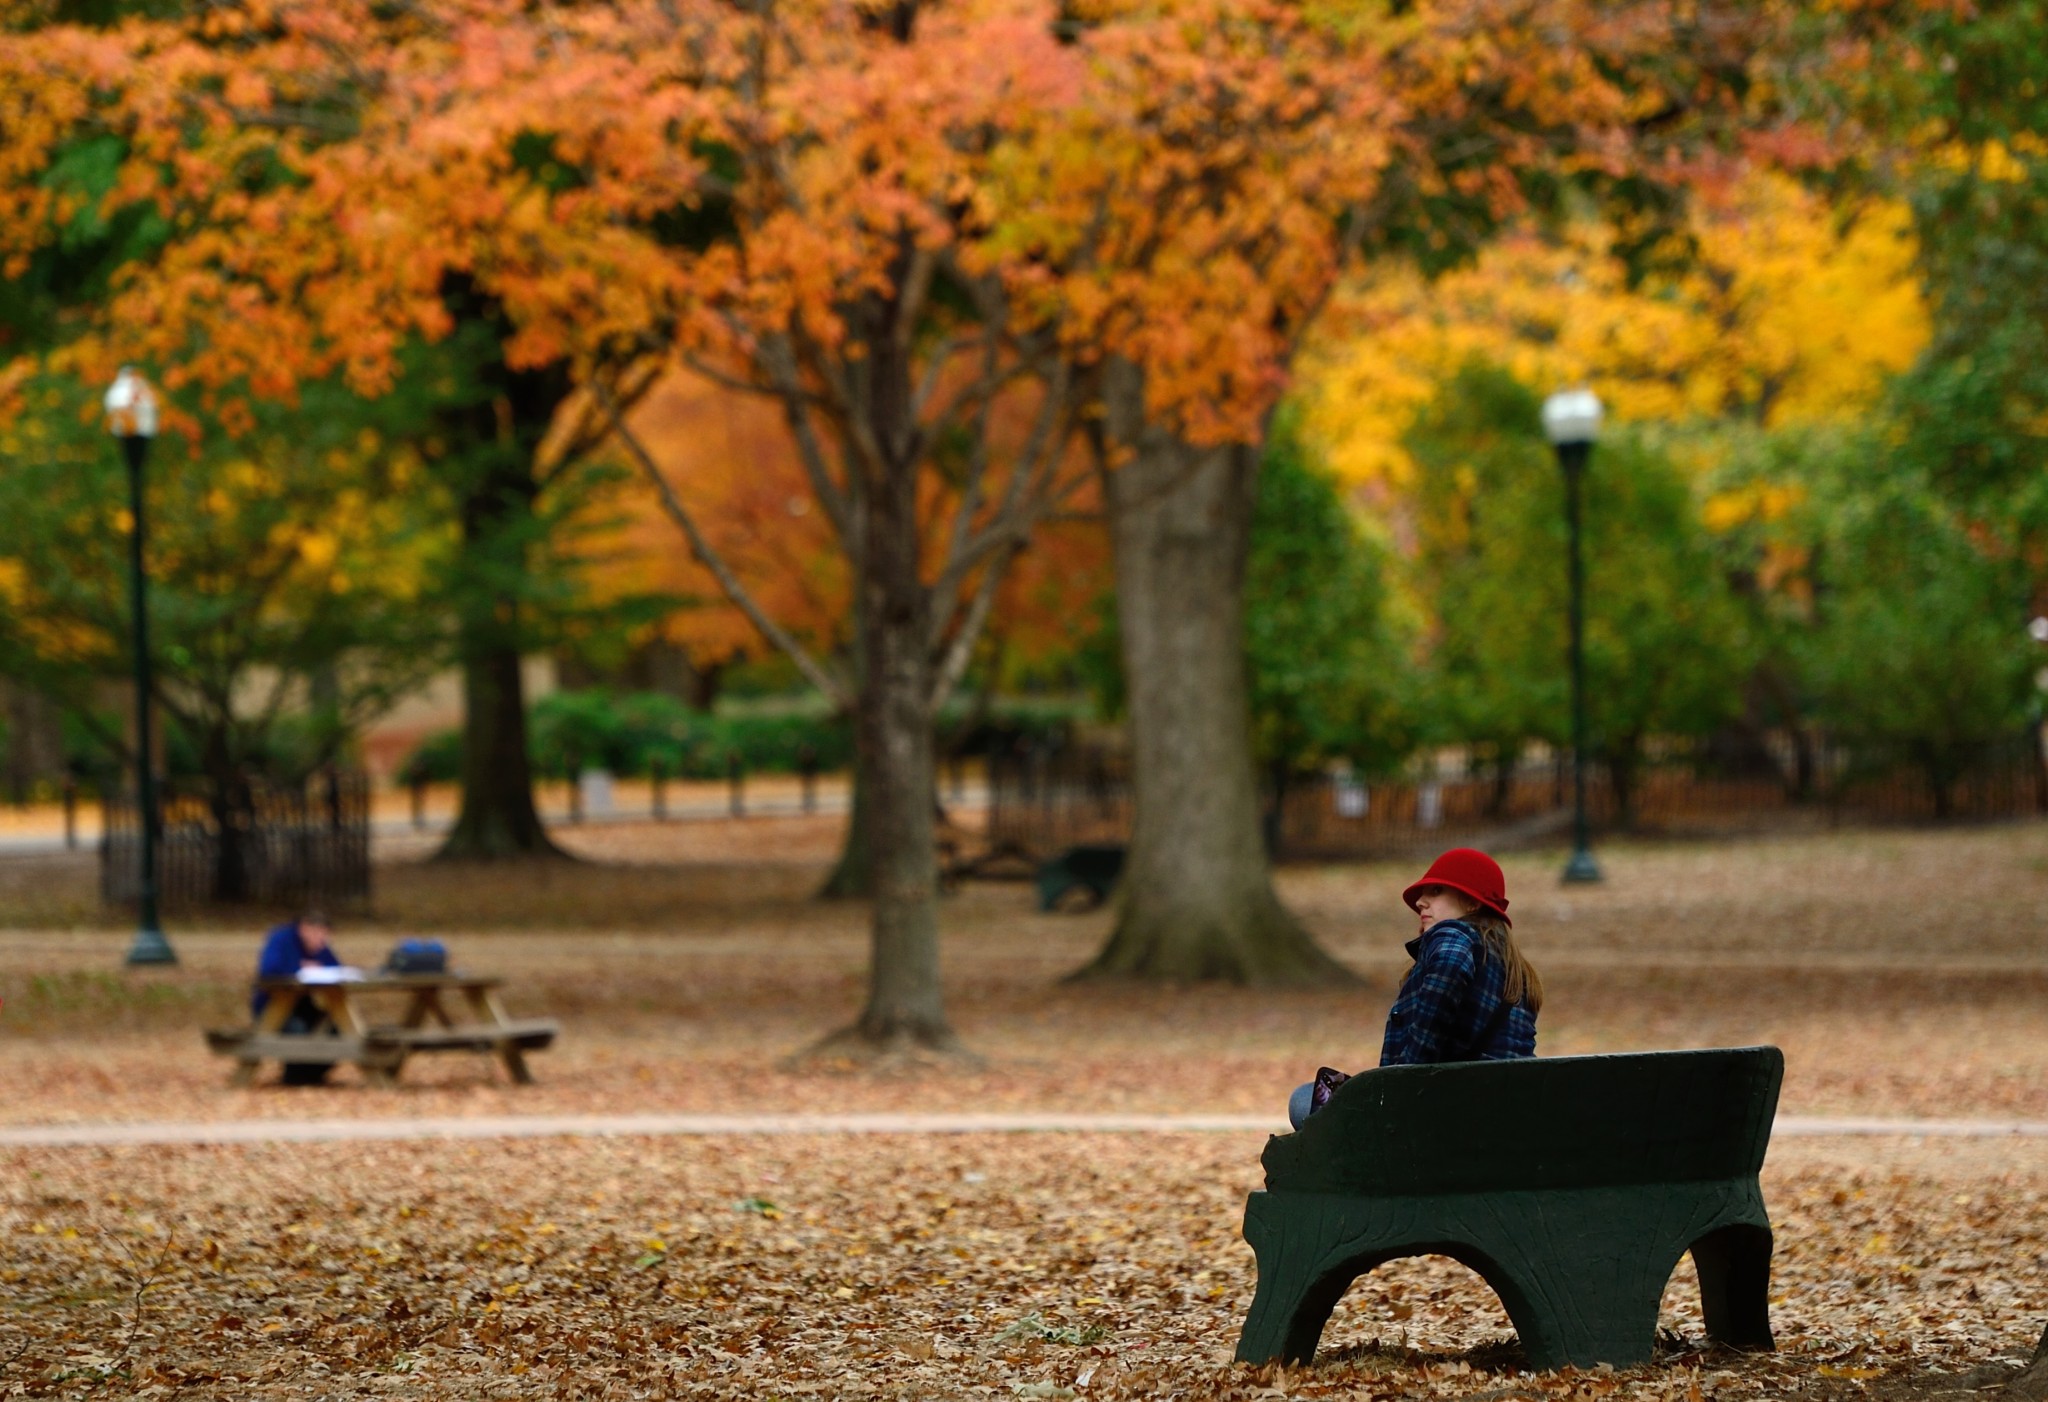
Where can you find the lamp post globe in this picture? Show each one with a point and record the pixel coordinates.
(1571, 421)
(131, 407)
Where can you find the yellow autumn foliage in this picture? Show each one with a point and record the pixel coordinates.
(1789, 310)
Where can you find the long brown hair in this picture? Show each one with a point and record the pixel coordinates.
(1523, 986)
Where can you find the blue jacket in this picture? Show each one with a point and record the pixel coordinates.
(1452, 1005)
(283, 954)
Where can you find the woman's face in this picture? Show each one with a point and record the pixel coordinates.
(1434, 903)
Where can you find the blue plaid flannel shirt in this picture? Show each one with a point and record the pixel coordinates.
(1450, 1005)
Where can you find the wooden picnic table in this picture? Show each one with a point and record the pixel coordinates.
(380, 1048)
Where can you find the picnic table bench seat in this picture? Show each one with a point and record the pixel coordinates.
(529, 1034)
(1572, 1185)
(252, 1045)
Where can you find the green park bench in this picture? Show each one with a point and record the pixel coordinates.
(1573, 1185)
(1092, 868)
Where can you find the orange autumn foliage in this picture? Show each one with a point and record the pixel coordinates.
(733, 455)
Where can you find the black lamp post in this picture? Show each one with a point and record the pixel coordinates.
(1571, 420)
(131, 417)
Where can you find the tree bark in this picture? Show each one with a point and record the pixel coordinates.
(2032, 1385)
(1197, 897)
(502, 418)
(498, 820)
(229, 798)
(906, 1007)
(852, 876)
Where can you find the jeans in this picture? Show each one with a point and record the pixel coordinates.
(306, 1018)
(1299, 1104)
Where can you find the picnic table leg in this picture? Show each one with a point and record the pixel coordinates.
(342, 1009)
(273, 1018)
(416, 1008)
(488, 1010)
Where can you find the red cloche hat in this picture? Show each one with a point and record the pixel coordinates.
(1470, 872)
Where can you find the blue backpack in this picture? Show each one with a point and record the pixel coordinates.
(417, 957)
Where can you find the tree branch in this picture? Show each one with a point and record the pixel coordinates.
(781, 365)
(961, 650)
(814, 671)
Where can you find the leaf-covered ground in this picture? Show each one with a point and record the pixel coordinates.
(685, 986)
(924, 1267)
(687, 965)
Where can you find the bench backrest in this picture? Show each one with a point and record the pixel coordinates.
(1550, 1122)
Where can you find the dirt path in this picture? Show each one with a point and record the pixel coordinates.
(277, 1131)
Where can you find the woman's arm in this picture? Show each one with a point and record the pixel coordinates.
(1423, 1022)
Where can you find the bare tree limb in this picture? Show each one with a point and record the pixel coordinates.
(837, 499)
(842, 399)
(953, 665)
(977, 473)
(814, 671)
(941, 355)
(1020, 506)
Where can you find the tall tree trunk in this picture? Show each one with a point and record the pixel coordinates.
(2032, 1384)
(1624, 766)
(852, 876)
(499, 426)
(1197, 896)
(229, 798)
(906, 1008)
(1502, 795)
(498, 820)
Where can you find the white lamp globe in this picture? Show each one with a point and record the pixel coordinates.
(1571, 416)
(131, 405)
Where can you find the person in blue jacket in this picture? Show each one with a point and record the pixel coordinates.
(298, 944)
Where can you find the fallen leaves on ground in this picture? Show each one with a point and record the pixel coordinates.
(1022, 1265)
(1844, 949)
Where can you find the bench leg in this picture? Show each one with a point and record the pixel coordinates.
(1581, 1274)
(1734, 1265)
(244, 1074)
(1294, 1297)
(1580, 1308)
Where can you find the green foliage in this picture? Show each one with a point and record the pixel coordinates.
(1974, 411)
(1099, 659)
(569, 731)
(438, 760)
(1919, 653)
(76, 267)
(630, 733)
(1491, 564)
(1327, 657)
(285, 568)
(1667, 651)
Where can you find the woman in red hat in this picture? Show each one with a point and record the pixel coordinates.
(1471, 995)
